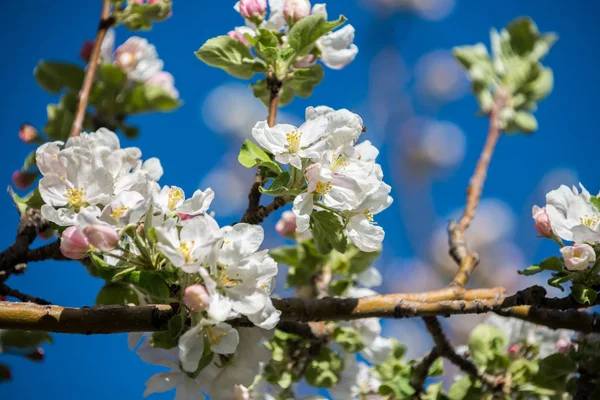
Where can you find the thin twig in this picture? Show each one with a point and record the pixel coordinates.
(255, 214)
(421, 371)
(445, 349)
(7, 291)
(106, 21)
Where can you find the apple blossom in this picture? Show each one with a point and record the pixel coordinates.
(290, 144)
(295, 10)
(578, 257)
(356, 381)
(138, 59)
(253, 9)
(196, 298)
(286, 226)
(101, 237)
(28, 133)
(74, 244)
(542, 221)
(235, 34)
(572, 215)
(165, 81)
(171, 199)
(337, 48)
(223, 339)
(564, 345)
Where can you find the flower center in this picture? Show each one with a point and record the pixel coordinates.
(76, 198)
(338, 161)
(126, 60)
(590, 221)
(175, 196)
(118, 212)
(185, 249)
(322, 188)
(293, 140)
(368, 214)
(214, 335)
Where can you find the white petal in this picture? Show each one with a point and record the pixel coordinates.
(153, 168)
(379, 351)
(272, 139)
(303, 206)
(191, 348)
(313, 130)
(370, 278)
(366, 236)
(162, 382)
(53, 190)
(198, 204)
(267, 318)
(229, 342)
(241, 241)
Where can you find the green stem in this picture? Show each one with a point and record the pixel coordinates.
(333, 210)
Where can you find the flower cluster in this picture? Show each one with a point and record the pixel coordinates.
(331, 171)
(112, 207)
(336, 50)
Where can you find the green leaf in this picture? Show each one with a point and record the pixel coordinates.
(348, 338)
(304, 80)
(323, 370)
(583, 294)
(552, 263)
(149, 282)
(251, 156)
(556, 366)
(559, 278)
(266, 46)
(23, 339)
(532, 270)
(55, 76)
(328, 232)
(476, 60)
(596, 202)
(279, 185)
(228, 54)
(437, 368)
(163, 340)
(287, 255)
(526, 41)
(117, 293)
(130, 132)
(466, 389)
(303, 35)
(112, 75)
(353, 261)
(60, 120)
(29, 161)
(176, 324)
(144, 99)
(486, 344)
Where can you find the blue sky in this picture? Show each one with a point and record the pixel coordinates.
(382, 85)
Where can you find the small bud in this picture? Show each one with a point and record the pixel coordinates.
(563, 345)
(542, 221)
(37, 355)
(513, 349)
(73, 244)
(28, 133)
(102, 237)
(306, 62)
(5, 374)
(295, 10)
(578, 257)
(286, 226)
(238, 36)
(196, 298)
(165, 81)
(253, 9)
(23, 179)
(85, 53)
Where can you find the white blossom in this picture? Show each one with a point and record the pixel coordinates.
(572, 215)
(138, 59)
(337, 48)
(223, 339)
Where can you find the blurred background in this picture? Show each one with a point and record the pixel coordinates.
(415, 102)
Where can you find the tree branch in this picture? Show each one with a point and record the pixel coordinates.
(7, 291)
(255, 213)
(106, 21)
(422, 369)
(134, 319)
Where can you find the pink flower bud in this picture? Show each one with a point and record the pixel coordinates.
(306, 62)
(238, 36)
(513, 349)
(564, 345)
(165, 81)
(253, 9)
(286, 226)
(578, 257)
(86, 50)
(73, 244)
(23, 179)
(295, 10)
(28, 133)
(196, 298)
(542, 221)
(102, 237)
(37, 355)
(5, 374)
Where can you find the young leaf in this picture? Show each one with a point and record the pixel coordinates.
(304, 80)
(149, 283)
(23, 339)
(328, 232)
(144, 99)
(303, 35)
(251, 156)
(559, 278)
(287, 255)
(348, 338)
(228, 54)
(116, 293)
(532, 270)
(552, 263)
(583, 294)
(112, 76)
(55, 76)
(279, 185)
(596, 202)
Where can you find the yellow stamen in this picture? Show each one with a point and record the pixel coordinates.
(293, 139)
(214, 335)
(118, 212)
(186, 251)
(368, 214)
(338, 160)
(76, 198)
(175, 196)
(322, 188)
(590, 222)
